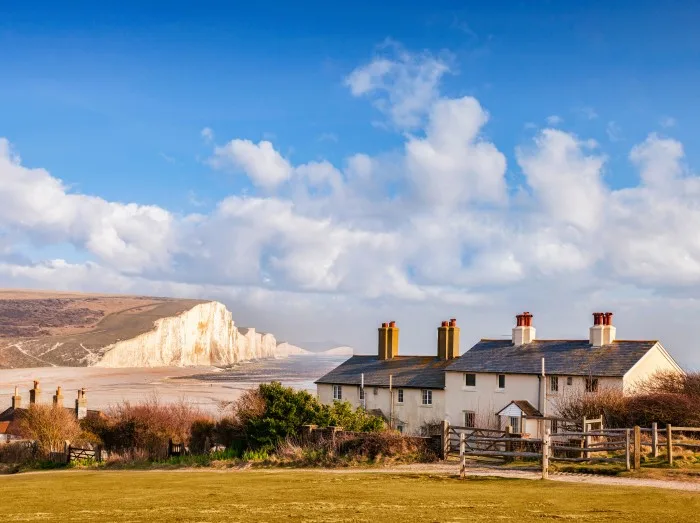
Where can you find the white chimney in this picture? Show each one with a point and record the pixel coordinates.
(523, 332)
(603, 332)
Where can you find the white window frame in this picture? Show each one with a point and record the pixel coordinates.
(498, 382)
(514, 422)
(554, 384)
(466, 376)
(399, 395)
(362, 393)
(426, 397)
(569, 380)
(337, 393)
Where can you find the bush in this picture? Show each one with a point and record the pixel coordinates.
(663, 398)
(50, 426)
(202, 431)
(145, 426)
(284, 411)
(17, 452)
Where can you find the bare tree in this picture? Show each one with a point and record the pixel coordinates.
(50, 426)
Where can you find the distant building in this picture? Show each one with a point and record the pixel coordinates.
(9, 418)
(417, 395)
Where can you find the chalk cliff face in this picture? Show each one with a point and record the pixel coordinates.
(202, 335)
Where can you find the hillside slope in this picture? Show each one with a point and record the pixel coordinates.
(39, 329)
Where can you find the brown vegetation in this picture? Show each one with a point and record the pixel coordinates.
(663, 398)
(50, 426)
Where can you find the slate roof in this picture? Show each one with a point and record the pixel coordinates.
(423, 372)
(563, 357)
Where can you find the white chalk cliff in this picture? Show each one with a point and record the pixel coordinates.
(202, 335)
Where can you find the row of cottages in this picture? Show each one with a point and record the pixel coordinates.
(10, 417)
(497, 382)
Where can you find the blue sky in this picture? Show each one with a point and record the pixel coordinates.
(111, 98)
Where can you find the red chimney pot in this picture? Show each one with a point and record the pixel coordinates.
(385, 325)
(453, 322)
(392, 324)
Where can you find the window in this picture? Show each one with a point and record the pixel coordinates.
(554, 383)
(400, 428)
(400, 396)
(470, 380)
(376, 390)
(469, 419)
(427, 396)
(569, 381)
(501, 381)
(337, 392)
(362, 393)
(555, 426)
(515, 424)
(591, 384)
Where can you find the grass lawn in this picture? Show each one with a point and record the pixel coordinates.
(116, 496)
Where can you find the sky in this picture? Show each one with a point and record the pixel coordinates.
(324, 167)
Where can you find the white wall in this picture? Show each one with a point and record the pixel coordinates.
(656, 360)
(411, 413)
(485, 399)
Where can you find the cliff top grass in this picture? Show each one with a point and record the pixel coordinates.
(324, 496)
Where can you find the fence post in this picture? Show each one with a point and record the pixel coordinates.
(669, 443)
(637, 448)
(462, 456)
(545, 454)
(445, 439)
(627, 449)
(654, 440)
(586, 438)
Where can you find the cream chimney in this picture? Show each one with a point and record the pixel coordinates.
(58, 397)
(448, 340)
(81, 405)
(523, 332)
(603, 332)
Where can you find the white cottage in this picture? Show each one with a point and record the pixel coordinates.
(408, 391)
(501, 382)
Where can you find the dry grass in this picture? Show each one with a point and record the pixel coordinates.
(320, 496)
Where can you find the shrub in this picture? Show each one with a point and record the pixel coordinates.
(50, 426)
(146, 426)
(17, 452)
(284, 411)
(202, 430)
(609, 402)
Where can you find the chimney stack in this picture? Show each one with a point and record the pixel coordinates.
(81, 405)
(16, 399)
(392, 340)
(382, 351)
(35, 393)
(448, 340)
(58, 398)
(523, 332)
(603, 332)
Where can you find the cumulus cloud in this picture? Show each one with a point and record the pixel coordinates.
(402, 85)
(260, 162)
(453, 165)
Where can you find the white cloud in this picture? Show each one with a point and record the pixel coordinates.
(614, 131)
(453, 165)
(207, 134)
(554, 120)
(260, 162)
(402, 85)
(586, 112)
(565, 180)
(667, 121)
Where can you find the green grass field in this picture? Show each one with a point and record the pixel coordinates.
(117, 496)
